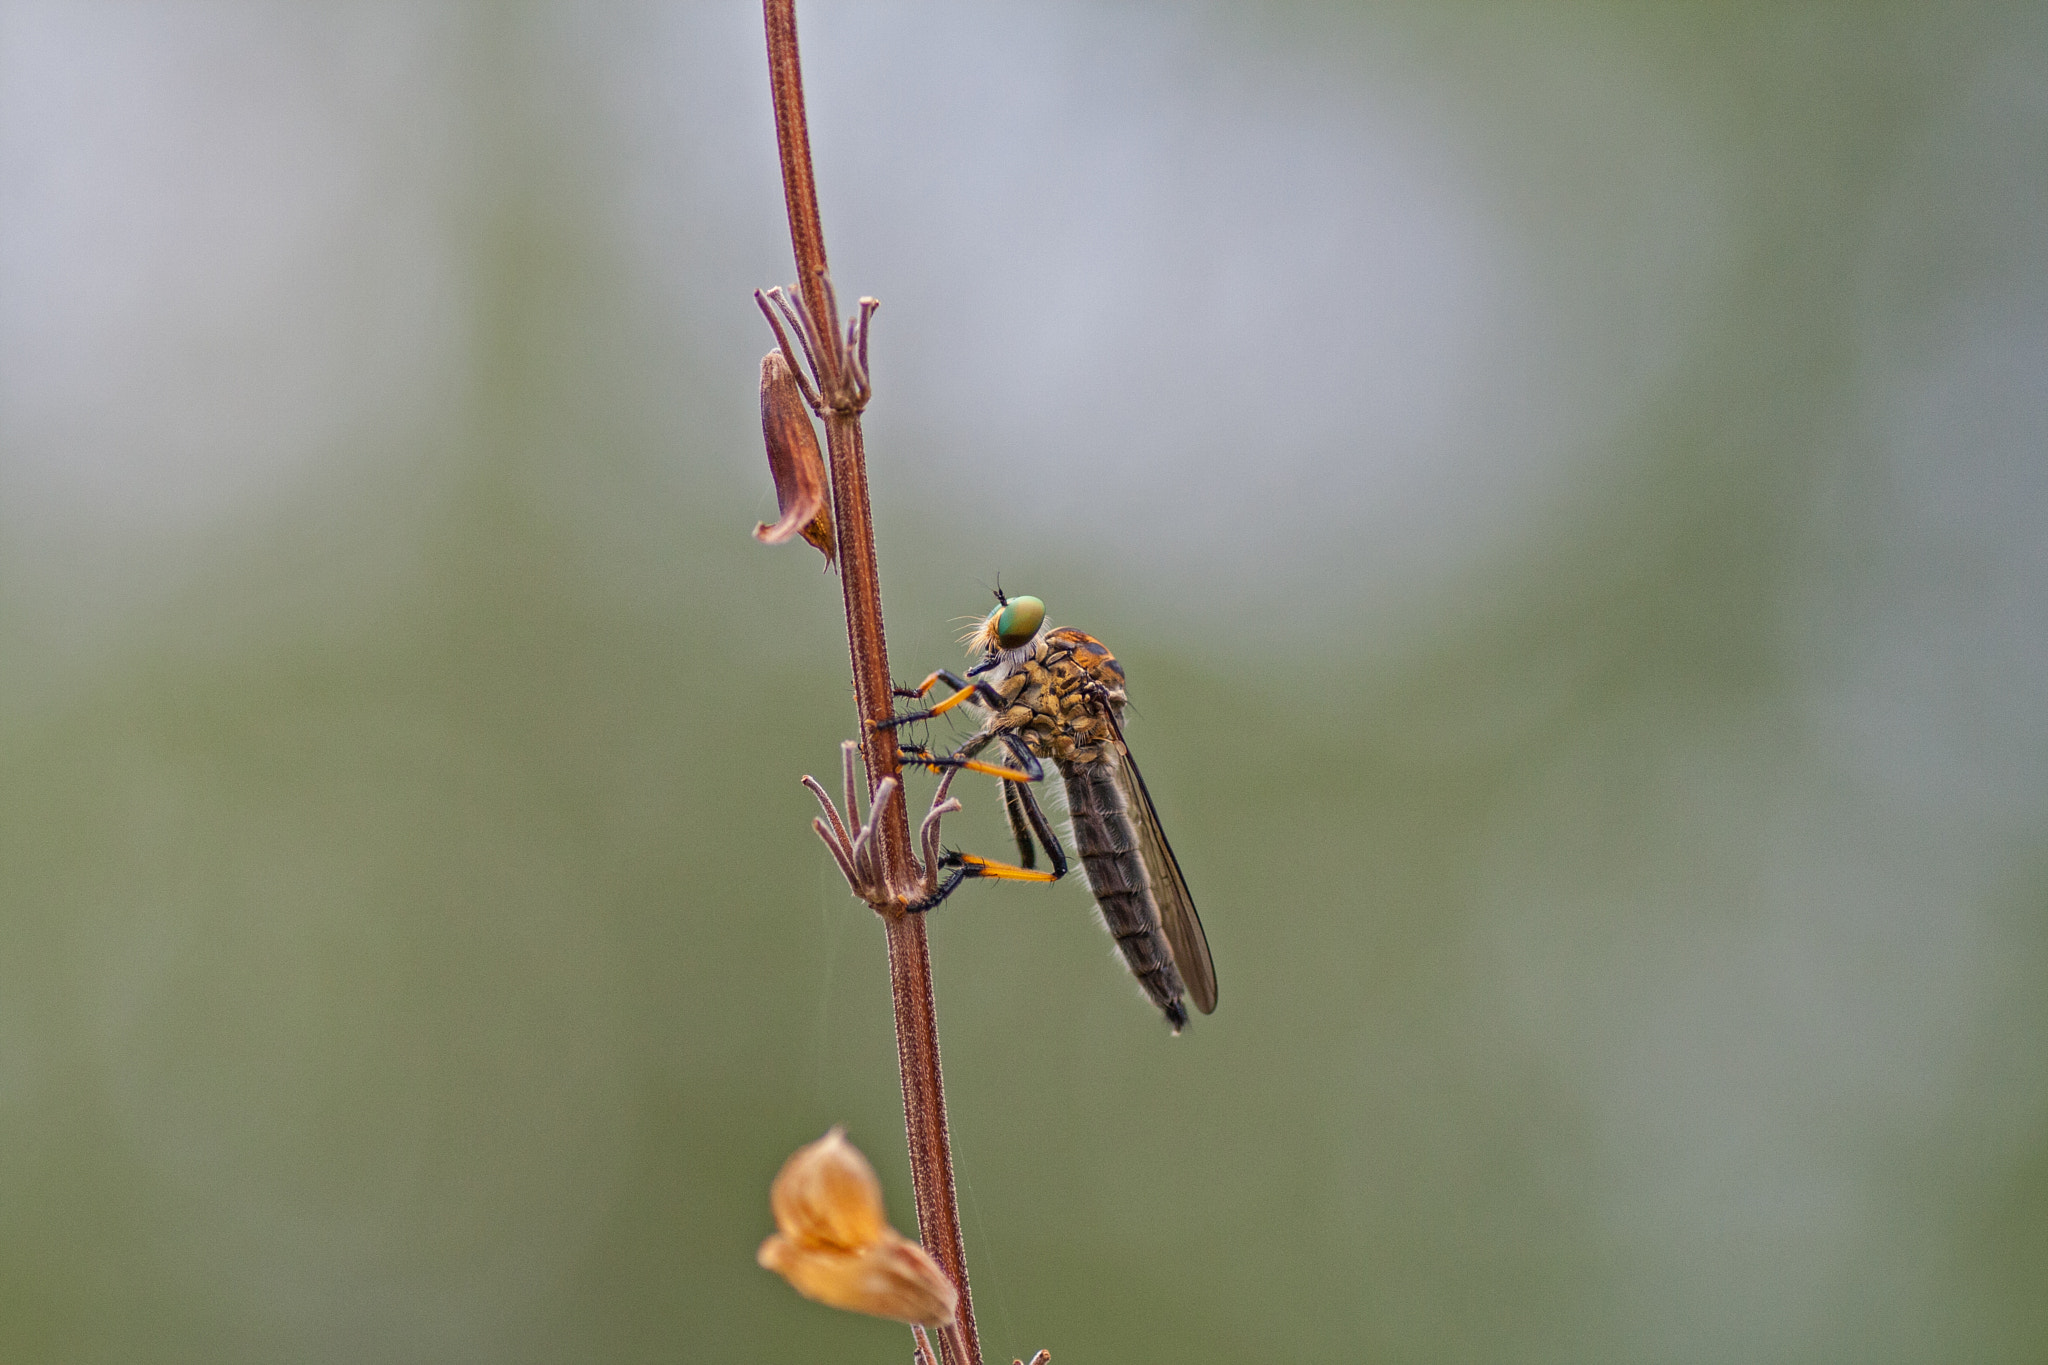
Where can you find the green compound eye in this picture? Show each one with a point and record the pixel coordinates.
(1018, 621)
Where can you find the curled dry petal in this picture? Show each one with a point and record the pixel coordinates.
(794, 460)
(826, 1195)
(834, 1244)
(891, 1278)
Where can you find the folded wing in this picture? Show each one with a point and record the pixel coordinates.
(1169, 889)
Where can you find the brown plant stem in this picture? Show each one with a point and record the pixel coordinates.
(910, 978)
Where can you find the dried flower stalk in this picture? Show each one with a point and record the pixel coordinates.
(878, 859)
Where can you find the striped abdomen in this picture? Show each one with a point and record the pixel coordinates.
(1116, 875)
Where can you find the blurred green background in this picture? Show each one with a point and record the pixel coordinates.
(1569, 484)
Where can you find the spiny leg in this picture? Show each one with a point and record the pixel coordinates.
(1020, 808)
(978, 692)
(1040, 826)
(1028, 768)
(941, 675)
(1020, 824)
(966, 866)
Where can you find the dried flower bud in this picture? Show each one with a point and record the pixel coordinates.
(794, 461)
(835, 1245)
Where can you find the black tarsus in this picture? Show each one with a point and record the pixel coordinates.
(946, 888)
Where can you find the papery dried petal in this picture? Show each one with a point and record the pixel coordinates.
(794, 460)
(826, 1195)
(892, 1277)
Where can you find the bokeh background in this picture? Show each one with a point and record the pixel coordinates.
(1569, 484)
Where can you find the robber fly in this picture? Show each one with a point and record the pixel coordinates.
(1058, 695)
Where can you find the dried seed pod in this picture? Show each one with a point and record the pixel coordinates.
(794, 461)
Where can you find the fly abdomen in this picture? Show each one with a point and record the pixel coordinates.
(1116, 875)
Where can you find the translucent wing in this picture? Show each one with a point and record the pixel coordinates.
(1176, 907)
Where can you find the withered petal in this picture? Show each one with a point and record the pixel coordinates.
(827, 1195)
(794, 461)
(891, 1278)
